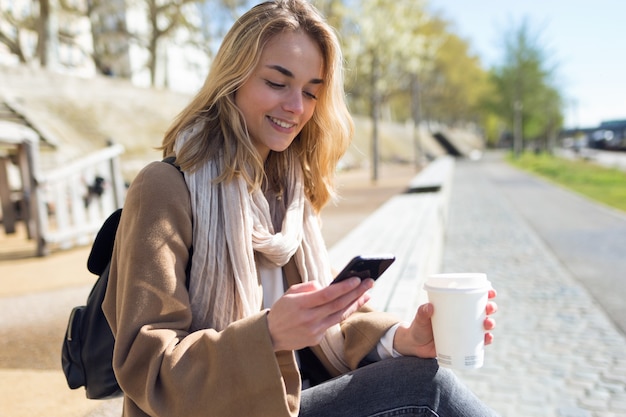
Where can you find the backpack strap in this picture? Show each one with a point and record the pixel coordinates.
(172, 161)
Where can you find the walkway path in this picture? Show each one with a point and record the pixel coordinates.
(556, 352)
(588, 238)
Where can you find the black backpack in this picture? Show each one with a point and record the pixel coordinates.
(87, 352)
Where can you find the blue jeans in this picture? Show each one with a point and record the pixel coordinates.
(405, 386)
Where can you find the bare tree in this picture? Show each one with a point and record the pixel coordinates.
(40, 20)
(164, 19)
(11, 31)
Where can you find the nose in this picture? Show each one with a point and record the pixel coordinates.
(294, 102)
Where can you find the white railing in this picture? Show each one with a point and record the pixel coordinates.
(74, 200)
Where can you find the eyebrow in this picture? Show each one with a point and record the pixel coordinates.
(289, 74)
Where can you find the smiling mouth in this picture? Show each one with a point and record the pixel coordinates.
(281, 123)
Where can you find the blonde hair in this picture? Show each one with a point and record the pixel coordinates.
(320, 144)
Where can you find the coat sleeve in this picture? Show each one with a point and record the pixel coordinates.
(162, 368)
(359, 336)
(362, 331)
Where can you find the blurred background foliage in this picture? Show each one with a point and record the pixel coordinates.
(404, 63)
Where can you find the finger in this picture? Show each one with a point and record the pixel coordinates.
(342, 287)
(489, 324)
(488, 338)
(320, 297)
(424, 314)
(426, 310)
(345, 301)
(338, 316)
(368, 283)
(354, 307)
(303, 287)
(324, 314)
(492, 293)
(491, 308)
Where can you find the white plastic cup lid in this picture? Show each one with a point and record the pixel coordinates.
(457, 282)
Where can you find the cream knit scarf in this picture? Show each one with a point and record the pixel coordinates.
(233, 230)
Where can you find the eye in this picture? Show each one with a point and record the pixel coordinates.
(310, 95)
(273, 85)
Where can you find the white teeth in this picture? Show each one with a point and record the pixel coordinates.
(281, 123)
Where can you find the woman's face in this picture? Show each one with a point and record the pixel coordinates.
(280, 96)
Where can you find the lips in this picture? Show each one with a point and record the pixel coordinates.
(281, 123)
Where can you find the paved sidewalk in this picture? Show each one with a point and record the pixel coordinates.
(556, 353)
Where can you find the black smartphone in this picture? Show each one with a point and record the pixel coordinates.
(365, 267)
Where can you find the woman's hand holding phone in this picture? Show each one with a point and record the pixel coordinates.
(303, 314)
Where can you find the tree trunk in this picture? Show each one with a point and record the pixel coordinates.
(152, 61)
(415, 115)
(153, 42)
(518, 143)
(43, 32)
(375, 115)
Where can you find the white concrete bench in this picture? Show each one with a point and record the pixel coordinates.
(412, 227)
(435, 176)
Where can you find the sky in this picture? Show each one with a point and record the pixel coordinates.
(585, 39)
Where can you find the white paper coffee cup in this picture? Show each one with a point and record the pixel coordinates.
(459, 302)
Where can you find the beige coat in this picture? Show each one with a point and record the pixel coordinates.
(162, 368)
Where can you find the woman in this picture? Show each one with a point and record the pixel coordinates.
(216, 334)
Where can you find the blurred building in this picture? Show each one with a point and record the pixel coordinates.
(107, 37)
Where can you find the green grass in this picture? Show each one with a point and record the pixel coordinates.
(606, 185)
